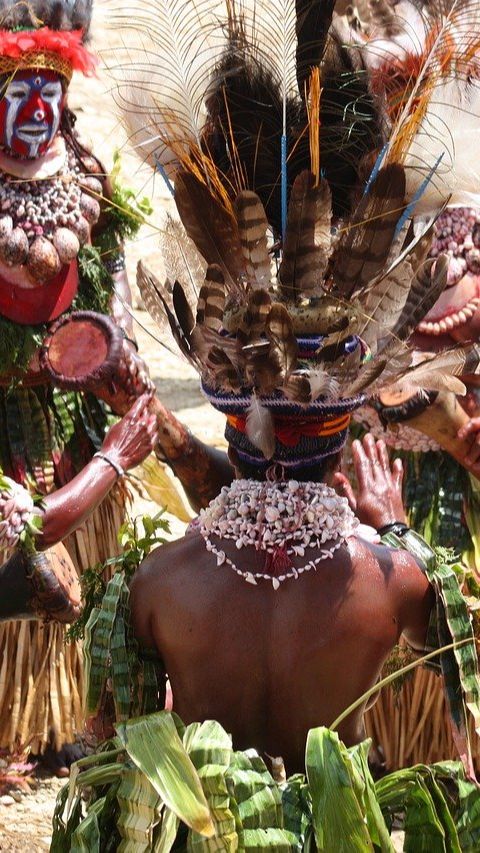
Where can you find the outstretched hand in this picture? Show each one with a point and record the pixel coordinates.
(378, 500)
(132, 439)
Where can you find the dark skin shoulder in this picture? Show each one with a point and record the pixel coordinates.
(270, 665)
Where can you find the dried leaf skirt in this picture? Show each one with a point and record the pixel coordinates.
(46, 437)
(411, 724)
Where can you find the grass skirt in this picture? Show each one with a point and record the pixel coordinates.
(411, 725)
(47, 436)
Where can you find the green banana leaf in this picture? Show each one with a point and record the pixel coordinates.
(86, 838)
(339, 821)
(366, 794)
(210, 750)
(155, 748)
(138, 803)
(134, 796)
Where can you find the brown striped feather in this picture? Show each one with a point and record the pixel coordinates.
(364, 250)
(253, 324)
(226, 376)
(211, 299)
(211, 226)
(279, 329)
(253, 227)
(307, 243)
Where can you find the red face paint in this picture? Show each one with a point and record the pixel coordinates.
(30, 112)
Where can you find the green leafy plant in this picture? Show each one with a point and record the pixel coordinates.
(161, 786)
(136, 538)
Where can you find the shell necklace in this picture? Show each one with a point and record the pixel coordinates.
(283, 519)
(44, 223)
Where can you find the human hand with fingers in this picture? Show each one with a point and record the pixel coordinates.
(130, 440)
(470, 433)
(378, 500)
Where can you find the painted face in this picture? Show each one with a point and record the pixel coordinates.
(30, 112)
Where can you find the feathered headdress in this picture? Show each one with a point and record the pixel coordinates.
(311, 282)
(45, 34)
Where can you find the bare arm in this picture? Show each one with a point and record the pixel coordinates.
(127, 443)
(379, 502)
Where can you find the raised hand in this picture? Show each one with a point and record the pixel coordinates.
(378, 500)
(130, 441)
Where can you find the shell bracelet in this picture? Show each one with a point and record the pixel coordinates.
(283, 519)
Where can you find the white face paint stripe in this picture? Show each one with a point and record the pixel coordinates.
(53, 97)
(14, 105)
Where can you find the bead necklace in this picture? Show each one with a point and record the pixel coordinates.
(44, 223)
(283, 519)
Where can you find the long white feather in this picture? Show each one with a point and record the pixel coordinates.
(173, 47)
(260, 428)
(446, 37)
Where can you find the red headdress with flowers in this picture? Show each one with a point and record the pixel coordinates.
(62, 51)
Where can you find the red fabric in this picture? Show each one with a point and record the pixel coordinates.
(289, 430)
(33, 305)
(67, 43)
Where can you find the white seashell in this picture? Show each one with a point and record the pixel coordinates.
(43, 262)
(67, 244)
(271, 514)
(220, 558)
(249, 578)
(293, 485)
(275, 583)
(6, 226)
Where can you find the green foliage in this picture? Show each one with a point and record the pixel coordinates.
(136, 537)
(125, 214)
(149, 786)
(97, 283)
(114, 672)
(18, 344)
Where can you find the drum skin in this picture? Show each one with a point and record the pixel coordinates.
(43, 585)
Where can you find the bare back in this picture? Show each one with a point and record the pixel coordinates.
(270, 664)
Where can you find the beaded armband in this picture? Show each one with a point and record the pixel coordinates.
(115, 262)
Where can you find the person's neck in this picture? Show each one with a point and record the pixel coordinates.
(45, 166)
